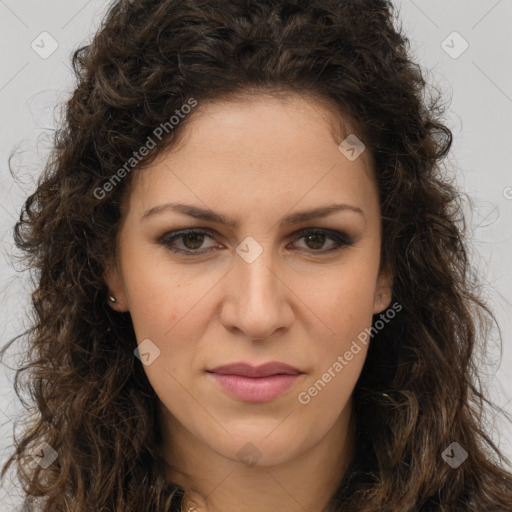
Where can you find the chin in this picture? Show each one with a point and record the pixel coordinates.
(263, 448)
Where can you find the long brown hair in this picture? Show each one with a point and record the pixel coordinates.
(88, 395)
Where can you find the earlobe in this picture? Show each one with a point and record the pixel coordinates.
(382, 301)
(116, 297)
(383, 292)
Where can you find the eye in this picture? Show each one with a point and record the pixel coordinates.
(315, 238)
(191, 240)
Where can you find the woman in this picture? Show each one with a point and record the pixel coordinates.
(254, 292)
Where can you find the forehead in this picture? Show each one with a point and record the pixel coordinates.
(243, 122)
(280, 148)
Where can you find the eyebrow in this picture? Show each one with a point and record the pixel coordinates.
(210, 215)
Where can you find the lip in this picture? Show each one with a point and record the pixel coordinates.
(263, 370)
(255, 383)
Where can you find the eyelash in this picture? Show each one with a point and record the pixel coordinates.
(341, 240)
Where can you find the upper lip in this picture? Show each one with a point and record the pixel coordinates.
(263, 370)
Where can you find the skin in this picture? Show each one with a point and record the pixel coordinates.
(254, 161)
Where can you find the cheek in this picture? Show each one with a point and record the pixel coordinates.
(325, 398)
(347, 310)
(341, 302)
(341, 356)
(343, 310)
(160, 298)
(165, 308)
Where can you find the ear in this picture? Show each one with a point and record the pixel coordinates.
(115, 284)
(383, 291)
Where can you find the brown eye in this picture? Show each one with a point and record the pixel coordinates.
(315, 241)
(193, 240)
(187, 242)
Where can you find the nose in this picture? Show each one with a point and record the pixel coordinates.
(257, 300)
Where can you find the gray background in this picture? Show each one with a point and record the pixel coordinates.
(477, 85)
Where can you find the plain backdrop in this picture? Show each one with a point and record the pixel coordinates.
(465, 48)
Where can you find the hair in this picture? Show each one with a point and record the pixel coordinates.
(419, 390)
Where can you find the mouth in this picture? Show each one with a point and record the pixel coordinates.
(255, 383)
(263, 370)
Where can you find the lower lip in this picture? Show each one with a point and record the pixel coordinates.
(252, 389)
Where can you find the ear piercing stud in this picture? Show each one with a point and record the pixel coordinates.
(112, 299)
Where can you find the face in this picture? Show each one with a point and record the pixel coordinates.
(256, 283)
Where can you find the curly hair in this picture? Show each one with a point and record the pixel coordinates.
(419, 390)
